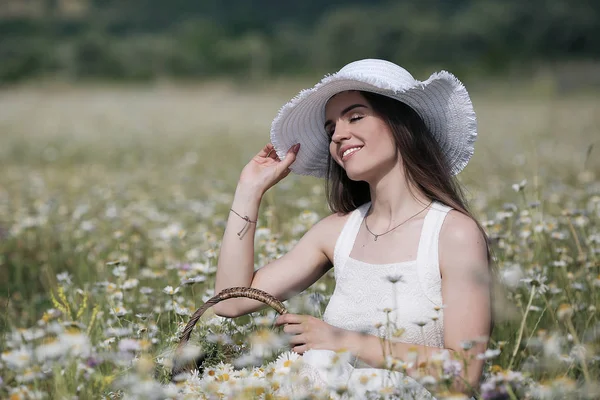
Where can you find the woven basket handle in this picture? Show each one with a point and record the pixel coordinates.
(230, 293)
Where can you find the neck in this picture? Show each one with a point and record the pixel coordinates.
(394, 199)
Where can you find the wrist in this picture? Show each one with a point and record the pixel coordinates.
(249, 192)
(349, 342)
(246, 201)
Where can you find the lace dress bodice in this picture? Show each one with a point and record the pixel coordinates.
(364, 292)
(364, 295)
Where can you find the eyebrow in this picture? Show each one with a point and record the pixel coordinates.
(344, 111)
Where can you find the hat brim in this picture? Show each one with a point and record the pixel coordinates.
(441, 101)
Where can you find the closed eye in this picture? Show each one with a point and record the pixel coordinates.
(330, 126)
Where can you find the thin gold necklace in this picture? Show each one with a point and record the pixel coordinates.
(388, 231)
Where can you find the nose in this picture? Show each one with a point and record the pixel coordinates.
(341, 132)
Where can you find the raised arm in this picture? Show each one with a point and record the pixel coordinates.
(282, 278)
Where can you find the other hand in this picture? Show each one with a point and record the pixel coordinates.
(266, 169)
(309, 332)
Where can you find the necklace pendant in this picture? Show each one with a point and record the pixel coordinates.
(376, 236)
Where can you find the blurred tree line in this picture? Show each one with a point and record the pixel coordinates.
(148, 39)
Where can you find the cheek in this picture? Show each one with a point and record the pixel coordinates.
(332, 152)
(387, 145)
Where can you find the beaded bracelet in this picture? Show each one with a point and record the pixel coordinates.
(245, 218)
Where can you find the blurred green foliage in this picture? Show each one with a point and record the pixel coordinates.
(148, 39)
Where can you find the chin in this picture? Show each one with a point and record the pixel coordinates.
(356, 176)
(367, 173)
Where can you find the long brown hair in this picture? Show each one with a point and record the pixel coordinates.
(424, 163)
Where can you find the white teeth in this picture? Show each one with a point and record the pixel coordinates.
(349, 151)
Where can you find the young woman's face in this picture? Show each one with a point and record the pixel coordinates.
(361, 141)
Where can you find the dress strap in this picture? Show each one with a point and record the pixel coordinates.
(345, 242)
(428, 253)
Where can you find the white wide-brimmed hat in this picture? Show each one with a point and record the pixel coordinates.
(441, 101)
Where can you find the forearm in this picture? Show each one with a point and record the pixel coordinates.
(236, 257)
(373, 351)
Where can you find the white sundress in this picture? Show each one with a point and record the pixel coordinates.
(361, 294)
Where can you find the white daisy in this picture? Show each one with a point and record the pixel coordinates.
(286, 361)
(17, 359)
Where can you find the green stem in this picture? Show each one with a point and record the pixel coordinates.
(580, 253)
(510, 392)
(573, 332)
(522, 328)
(537, 324)
(552, 313)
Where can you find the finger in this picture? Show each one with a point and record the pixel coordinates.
(289, 319)
(265, 150)
(273, 155)
(301, 349)
(290, 156)
(297, 340)
(293, 329)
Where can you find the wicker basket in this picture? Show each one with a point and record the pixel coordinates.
(230, 293)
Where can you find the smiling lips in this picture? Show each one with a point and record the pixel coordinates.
(349, 152)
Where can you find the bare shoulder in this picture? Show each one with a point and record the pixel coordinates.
(326, 232)
(334, 222)
(331, 225)
(461, 244)
(460, 229)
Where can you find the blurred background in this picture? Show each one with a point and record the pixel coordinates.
(146, 40)
(126, 83)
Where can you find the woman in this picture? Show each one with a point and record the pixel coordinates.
(403, 244)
